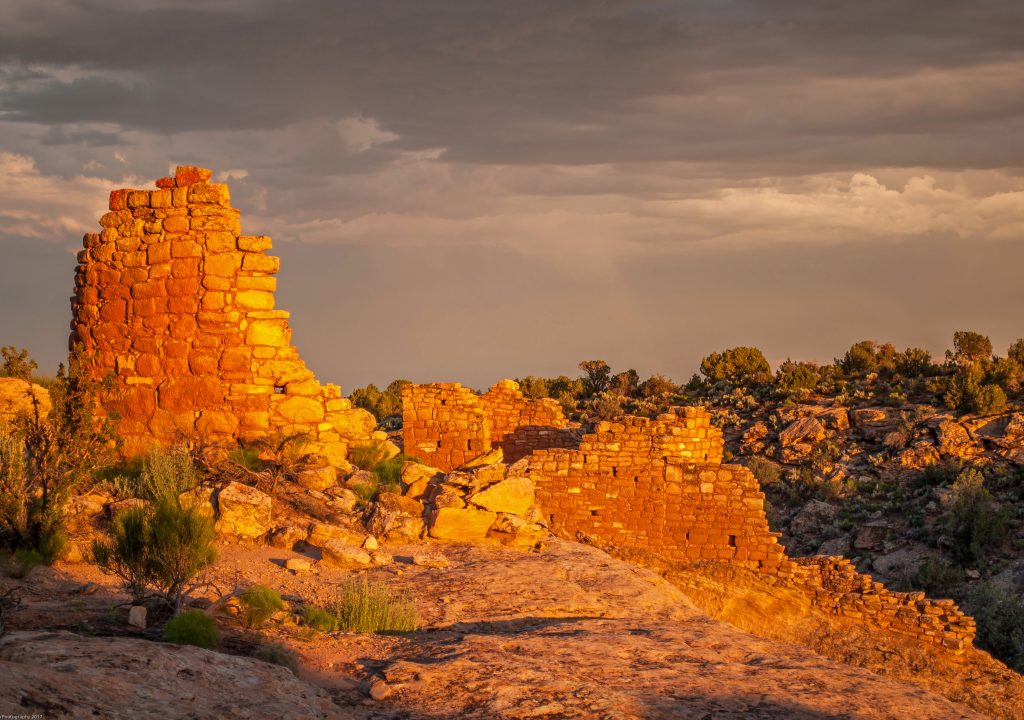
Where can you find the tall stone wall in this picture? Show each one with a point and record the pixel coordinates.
(443, 424)
(447, 425)
(658, 487)
(178, 305)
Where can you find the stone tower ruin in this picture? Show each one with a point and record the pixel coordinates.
(175, 303)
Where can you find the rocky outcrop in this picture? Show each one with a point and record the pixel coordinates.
(59, 674)
(19, 397)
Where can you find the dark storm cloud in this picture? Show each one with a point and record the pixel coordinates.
(638, 180)
(526, 82)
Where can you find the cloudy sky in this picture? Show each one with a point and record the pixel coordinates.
(475, 189)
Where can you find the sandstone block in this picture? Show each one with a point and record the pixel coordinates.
(514, 496)
(461, 524)
(243, 511)
(185, 175)
(301, 410)
(338, 552)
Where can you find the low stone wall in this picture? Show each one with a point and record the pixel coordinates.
(837, 588)
(446, 425)
(174, 302)
(658, 488)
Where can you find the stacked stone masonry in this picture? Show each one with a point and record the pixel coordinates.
(659, 487)
(178, 305)
(447, 425)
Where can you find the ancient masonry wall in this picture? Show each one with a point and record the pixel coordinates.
(658, 486)
(179, 306)
(447, 425)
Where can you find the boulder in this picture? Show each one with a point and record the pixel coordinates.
(430, 560)
(461, 524)
(341, 553)
(953, 440)
(137, 616)
(297, 565)
(288, 536)
(321, 533)
(873, 536)
(901, 564)
(199, 499)
(813, 517)
(874, 423)
(396, 517)
(243, 512)
(836, 546)
(514, 495)
(342, 499)
(919, 455)
(317, 473)
(416, 478)
(835, 419)
(806, 430)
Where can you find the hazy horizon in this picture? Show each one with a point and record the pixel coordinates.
(471, 190)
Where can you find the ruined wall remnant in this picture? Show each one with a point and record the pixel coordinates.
(446, 425)
(179, 306)
(658, 487)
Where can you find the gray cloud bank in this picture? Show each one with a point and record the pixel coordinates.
(617, 156)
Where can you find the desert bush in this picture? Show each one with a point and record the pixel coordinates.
(192, 627)
(318, 619)
(938, 578)
(387, 471)
(625, 383)
(658, 385)
(276, 654)
(973, 520)
(742, 366)
(604, 406)
(966, 392)
(164, 548)
(372, 607)
(1016, 352)
(23, 561)
(793, 377)
(1000, 618)
(17, 363)
(382, 403)
(914, 363)
(166, 474)
(969, 348)
(596, 376)
(261, 602)
(867, 356)
(45, 458)
(766, 472)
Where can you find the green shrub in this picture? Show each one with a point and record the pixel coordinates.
(973, 520)
(766, 472)
(373, 607)
(741, 366)
(1000, 618)
(318, 619)
(277, 655)
(166, 474)
(17, 363)
(967, 393)
(938, 578)
(261, 602)
(793, 377)
(45, 457)
(163, 547)
(387, 472)
(192, 627)
(970, 348)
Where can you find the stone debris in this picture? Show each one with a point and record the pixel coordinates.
(243, 512)
(137, 616)
(339, 552)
